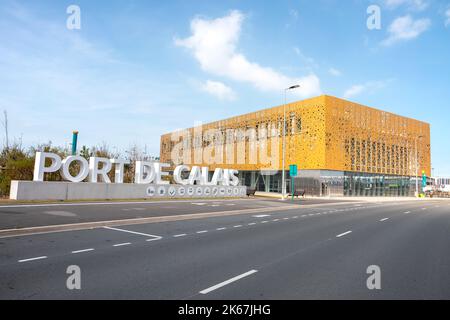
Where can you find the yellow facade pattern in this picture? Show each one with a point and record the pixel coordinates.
(321, 133)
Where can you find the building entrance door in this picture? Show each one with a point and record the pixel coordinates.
(324, 189)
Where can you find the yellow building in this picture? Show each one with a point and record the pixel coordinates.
(340, 148)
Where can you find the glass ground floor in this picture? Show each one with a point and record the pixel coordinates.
(333, 183)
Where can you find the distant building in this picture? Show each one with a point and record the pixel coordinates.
(341, 148)
(442, 184)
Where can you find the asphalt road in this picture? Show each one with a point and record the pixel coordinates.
(23, 216)
(320, 251)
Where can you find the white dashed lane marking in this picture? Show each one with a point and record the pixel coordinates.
(33, 259)
(180, 235)
(343, 234)
(83, 251)
(222, 284)
(122, 244)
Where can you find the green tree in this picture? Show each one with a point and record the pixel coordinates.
(15, 164)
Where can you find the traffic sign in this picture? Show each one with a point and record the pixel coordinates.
(424, 179)
(293, 170)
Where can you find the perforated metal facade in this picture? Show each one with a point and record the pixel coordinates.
(322, 133)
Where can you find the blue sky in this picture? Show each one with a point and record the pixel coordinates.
(137, 69)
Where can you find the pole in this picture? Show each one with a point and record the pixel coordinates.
(292, 187)
(5, 124)
(417, 171)
(74, 143)
(417, 167)
(283, 173)
(283, 176)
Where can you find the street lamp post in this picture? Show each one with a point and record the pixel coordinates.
(417, 167)
(283, 171)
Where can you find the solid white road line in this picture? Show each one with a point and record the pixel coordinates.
(222, 284)
(180, 235)
(82, 251)
(385, 219)
(134, 232)
(32, 259)
(122, 244)
(343, 234)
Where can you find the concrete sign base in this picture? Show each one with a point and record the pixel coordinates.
(31, 190)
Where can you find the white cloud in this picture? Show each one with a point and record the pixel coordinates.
(219, 90)
(405, 28)
(214, 45)
(368, 87)
(447, 15)
(335, 72)
(418, 5)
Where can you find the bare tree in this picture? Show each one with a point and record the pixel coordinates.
(5, 126)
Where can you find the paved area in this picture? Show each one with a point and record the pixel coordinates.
(313, 252)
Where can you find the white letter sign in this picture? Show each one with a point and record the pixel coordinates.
(39, 165)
